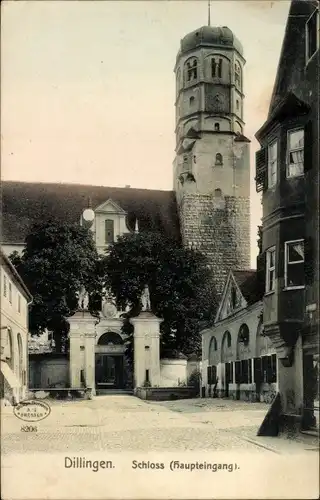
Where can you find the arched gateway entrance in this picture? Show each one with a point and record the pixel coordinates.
(109, 362)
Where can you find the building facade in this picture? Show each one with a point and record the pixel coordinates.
(15, 299)
(238, 360)
(207, 210)
(287, 175)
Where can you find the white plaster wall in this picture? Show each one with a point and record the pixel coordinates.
(16, 320)
(173, 372)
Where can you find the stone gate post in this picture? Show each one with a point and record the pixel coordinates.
(146, 349)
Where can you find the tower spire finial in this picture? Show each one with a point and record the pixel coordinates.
(209, 13)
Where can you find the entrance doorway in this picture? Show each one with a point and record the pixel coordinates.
(109, 362)
(109, 371)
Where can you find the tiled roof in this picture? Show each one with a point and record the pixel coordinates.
(249, 285)
(24, 203)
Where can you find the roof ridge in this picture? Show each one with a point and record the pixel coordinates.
(44, 183)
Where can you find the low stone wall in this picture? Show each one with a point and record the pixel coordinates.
(48, 370)
(173, 372)
(165, 393)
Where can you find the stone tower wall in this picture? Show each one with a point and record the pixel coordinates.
(219, 228)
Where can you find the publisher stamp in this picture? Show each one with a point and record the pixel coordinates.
(32, 411)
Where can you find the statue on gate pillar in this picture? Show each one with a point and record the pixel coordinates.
(83, 299)
(145, 299)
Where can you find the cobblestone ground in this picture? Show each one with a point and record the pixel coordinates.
(116, 422)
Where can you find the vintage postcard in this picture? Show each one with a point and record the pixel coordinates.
(159, 249)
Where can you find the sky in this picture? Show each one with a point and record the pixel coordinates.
(88, 89)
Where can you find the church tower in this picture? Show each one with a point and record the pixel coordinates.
(212, 163)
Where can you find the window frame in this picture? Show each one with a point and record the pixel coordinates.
(269, 269)
(286, 263)
(105, 232)
(274, 141)
(308, 57)
(291, 131)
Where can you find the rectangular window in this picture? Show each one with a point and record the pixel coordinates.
(312, 34)
(294, 264)
(272, 163)
(10, 292)
(19, 303)
(295, 153)
(271, 270)
(109, 231)
(4, 285)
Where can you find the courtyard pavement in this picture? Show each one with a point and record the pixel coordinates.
(125, 423)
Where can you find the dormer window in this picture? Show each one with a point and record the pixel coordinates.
(295, 153)
(312, 35)
(109, 231)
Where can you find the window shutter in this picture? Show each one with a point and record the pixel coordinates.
(261, 169)
(237, 367)
(257, 370)
(269, 369)
(261, 273)
(274, 367)
(213, 374)
(209, 375)
(249, 371)
(308, 143)
(308, 261)
(244, 371)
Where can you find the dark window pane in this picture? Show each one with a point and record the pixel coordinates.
(296, 252)
(295, 274)
(109, 231)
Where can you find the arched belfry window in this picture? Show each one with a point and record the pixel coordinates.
(237, 75)
(191, 69)
(191, 101)
(216, 67)
(219, 159)
(217, 127)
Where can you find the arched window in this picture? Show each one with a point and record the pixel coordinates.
(191, 69)
(228, 339)
(219, 159)
(217, 127)
(216, 67)
(110, 338)
(218, 193)
(9, 349)
(237, 104)
(191, 101)
(237, 75)
(20, 358)
(244, 334)
(213, 348)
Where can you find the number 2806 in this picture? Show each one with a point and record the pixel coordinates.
(29, 428)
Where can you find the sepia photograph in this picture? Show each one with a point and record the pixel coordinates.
(160, 249)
